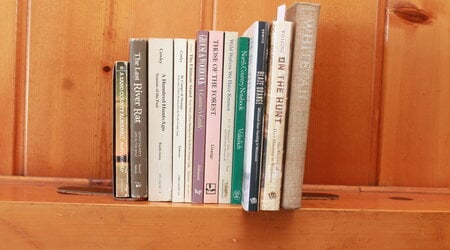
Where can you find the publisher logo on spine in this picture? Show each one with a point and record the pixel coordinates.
(237, 195)
(210, 188)
(272, 195)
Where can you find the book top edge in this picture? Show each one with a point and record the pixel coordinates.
(307, 4)
(137, 39)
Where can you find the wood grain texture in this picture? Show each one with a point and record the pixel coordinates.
(416, 95)
(358, 220)
(20, 84)
(8, 19)
(68, 119)
(343, 131)
(122, 227)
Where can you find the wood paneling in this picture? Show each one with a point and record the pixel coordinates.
(343, 132)
(415, 134)
(73, 45)
(358, 220)
(8, 19)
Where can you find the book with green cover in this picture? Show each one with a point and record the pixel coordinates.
(239, 121)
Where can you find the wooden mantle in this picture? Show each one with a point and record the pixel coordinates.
(34, 215)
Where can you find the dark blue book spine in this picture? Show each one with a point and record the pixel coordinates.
(258, 118)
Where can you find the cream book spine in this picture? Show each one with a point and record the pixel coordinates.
(179, 119)
(275, 120)
(227, 122)
(190, 96)
(160, 95)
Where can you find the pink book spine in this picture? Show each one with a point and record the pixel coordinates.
(213, 115)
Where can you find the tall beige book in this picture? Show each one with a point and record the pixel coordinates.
(179, 118)
(275, 116)
(190, 94)
(227, 122)
(306, 18)
(160, 110)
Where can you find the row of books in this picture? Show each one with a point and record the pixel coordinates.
(206, 120)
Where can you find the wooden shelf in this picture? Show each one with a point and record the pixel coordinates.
(34, 215)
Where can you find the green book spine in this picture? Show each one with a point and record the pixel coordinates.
(239, 120)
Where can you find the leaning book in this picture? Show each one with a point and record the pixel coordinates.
(275, 118)
(258, 33)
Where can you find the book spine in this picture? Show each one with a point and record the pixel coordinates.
(179, 119)
(160, 95)
(138, 119)
(305, 18)
(227, 122)
(258, 34)
(121, 129)
(190, 94)
(239, 120)
(213, 115)
(275, 118)
(200, 116)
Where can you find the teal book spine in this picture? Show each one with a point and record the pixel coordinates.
(239, 120)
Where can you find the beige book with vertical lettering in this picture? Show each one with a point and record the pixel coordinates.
(306, 18)
(276, 105)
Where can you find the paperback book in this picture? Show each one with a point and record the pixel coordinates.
(121, 129)
(258, 33)
(160, 110)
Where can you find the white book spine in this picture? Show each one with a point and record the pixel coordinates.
(179, 118)
(253, 51)
(160, 109)
(227, 126)
(190, 94)
(277, 96)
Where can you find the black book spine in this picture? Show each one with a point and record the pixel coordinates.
(138, 119)
(258, 117)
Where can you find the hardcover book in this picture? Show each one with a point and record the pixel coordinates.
(190, 94)
(198, 167)
(179, 119)
(227, 122)
(138, 119)
(213, 115)
(258, 33)
(121, 129)
(239, 120)
(160, 109)
(305, 17)
(275, 118)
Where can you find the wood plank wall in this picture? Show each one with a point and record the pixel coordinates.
(73, 44)
(416, 95)
(7, 85)
(343, 127)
